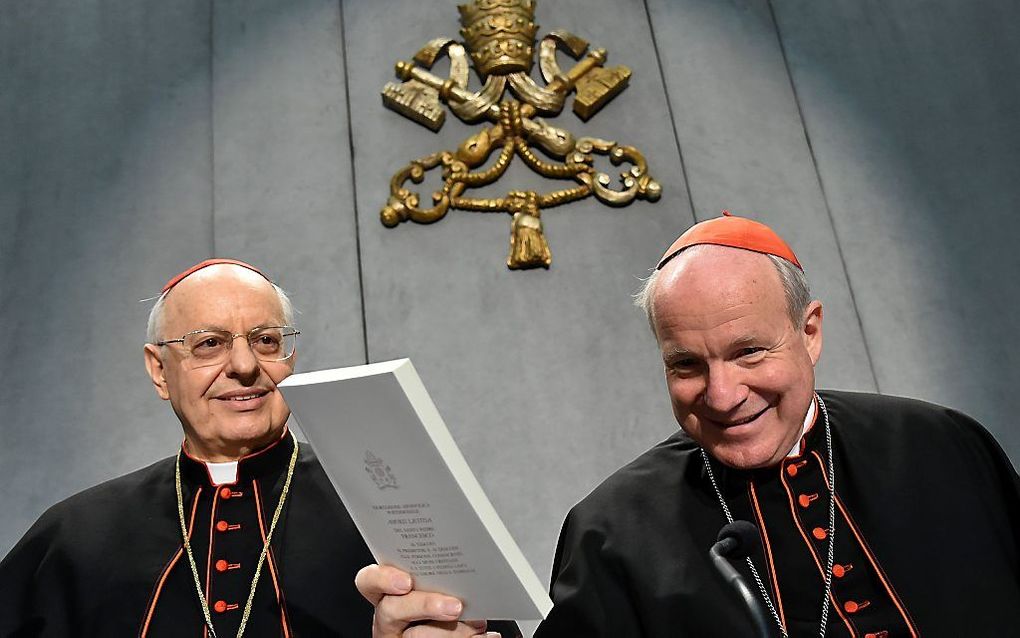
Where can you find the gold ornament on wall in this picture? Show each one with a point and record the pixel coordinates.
(499, 37)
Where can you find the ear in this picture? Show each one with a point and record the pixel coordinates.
(812, 331)
(154, 364)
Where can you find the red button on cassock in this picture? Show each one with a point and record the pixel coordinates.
(220, 606)
(225, 493)
(851, 606)
(222, 526)
(791, 470)
(838, 571)
(819, 533)
(221, 565)
(805, 499)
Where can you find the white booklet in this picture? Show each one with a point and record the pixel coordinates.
(409, 490)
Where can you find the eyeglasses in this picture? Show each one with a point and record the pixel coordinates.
(212, 347)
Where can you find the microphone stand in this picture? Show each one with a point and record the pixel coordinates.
(719, 553)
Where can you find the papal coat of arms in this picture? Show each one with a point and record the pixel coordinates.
(381, 473)
(499, 36)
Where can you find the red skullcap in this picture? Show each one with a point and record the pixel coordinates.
(204, 264)
(735, 232)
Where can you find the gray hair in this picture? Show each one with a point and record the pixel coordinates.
(155, 324)
(795, 287)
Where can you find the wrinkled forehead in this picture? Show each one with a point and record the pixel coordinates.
(222, 296)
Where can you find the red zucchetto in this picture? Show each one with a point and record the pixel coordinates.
(176, 279)
(735, 232)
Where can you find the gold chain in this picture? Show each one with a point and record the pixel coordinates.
(265, 546)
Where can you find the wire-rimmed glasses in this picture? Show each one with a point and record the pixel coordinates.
(212, 347)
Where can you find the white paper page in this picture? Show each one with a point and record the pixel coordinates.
(405, 483)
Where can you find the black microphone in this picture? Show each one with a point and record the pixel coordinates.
(736, 540)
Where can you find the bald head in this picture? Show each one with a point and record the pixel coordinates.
(715, 261)
(243, 278)
(714, 271)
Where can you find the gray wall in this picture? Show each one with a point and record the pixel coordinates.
(882, 139)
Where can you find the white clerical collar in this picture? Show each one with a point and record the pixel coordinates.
(809, 420)
(222, 473)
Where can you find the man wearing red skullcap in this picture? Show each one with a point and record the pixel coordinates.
(176, 549)
(919, 537)
(240, 533)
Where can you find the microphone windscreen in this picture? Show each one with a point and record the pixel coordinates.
(746, 536)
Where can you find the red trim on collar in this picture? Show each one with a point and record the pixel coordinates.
(184, 450)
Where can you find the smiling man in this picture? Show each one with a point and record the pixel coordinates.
(225, 397)
(238, 533)
(920, 537)
(739, 365)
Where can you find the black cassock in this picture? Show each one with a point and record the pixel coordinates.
(109, 561)
(927, 535)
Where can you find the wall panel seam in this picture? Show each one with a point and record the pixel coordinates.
(212, 129)
(342, 28)
(669, 109)
(825, 196)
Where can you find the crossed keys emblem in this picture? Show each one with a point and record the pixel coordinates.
(500, 38)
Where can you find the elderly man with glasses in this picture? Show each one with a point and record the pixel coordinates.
(238, 533)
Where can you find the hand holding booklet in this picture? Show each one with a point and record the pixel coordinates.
(409, 490)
